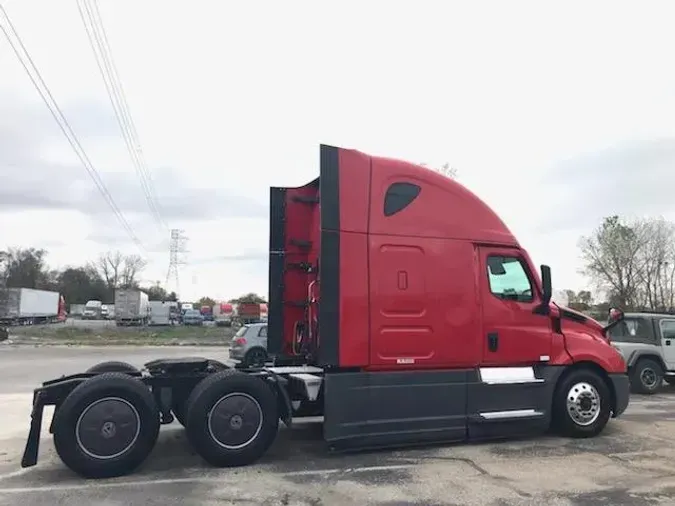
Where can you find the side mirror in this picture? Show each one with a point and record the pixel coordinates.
(547, 288)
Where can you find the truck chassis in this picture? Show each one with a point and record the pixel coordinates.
(131, 322)
(30, 320)
(107, 419)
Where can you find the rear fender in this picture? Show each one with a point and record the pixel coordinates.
(285, 409)
(636, 355)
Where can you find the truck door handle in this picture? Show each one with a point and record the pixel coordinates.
(668, 342)
(493, 341)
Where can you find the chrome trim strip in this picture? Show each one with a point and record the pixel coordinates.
(516, 413)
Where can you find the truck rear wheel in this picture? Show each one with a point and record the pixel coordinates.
(112, 366)
(232, 418)
(581, 404)
(646, 376)
(107, 426)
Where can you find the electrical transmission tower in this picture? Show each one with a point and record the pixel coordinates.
(177, 252)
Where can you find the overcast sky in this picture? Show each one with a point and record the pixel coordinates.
(554, 116)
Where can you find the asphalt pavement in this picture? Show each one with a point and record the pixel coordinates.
(631, 464)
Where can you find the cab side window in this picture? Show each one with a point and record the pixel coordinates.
(631, 330)
(508, 279)
(668, 329)
(262, 332)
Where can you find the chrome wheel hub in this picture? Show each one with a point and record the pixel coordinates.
(583, 404)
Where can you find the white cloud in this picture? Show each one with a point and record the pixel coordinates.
(238, 99)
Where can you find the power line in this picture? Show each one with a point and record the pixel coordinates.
(98, 38)
(61, 120)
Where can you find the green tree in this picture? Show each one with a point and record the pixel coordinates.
(248, 298)
(78, 285)
(26, 268)
(206, 301)
(157, 292)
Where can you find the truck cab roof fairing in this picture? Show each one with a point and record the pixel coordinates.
(444, 208)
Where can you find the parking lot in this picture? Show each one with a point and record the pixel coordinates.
(632, 463)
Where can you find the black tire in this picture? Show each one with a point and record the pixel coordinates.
(179, 395)
(127, 445)
(254, 357)
(646, 377)
(253, 427)
(112, 366)
(589, 406)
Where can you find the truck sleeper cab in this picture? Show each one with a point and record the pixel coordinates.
(402, 309)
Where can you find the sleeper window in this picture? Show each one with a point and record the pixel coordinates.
(399, 196)
(508, 279)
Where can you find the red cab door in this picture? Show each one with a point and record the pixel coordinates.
(513, 333)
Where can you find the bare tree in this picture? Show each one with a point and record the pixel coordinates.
(132, 266)
(118, 270)
(109, 266)
(658, 260)
(634, 262)
(614, 258)
(444, 169)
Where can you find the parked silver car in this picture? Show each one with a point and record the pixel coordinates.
(193, 317)
(249, 344)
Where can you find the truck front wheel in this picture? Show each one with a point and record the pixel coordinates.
(581, 405)
(232, 418)
(107, 426)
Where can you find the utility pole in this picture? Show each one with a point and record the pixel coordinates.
(177, 253)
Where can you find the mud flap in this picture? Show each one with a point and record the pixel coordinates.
(283, 400)
(30, 454)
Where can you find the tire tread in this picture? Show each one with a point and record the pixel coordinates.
(201, 400)
(562, 421)
(111, 383)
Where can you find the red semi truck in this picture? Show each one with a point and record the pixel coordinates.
(247, 312)
(402, 309)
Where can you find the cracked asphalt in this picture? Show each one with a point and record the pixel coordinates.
(631, 464)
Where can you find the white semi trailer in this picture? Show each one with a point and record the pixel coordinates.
(131, 307)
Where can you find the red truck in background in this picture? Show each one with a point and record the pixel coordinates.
(247, 312)
(223, 314)
(206, 312)
(402, 310)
